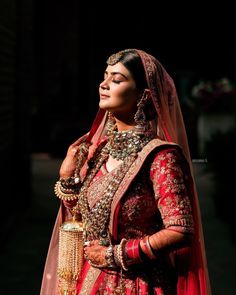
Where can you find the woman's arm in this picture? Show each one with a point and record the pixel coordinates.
(169, 183)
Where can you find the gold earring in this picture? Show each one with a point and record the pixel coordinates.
(140, 117)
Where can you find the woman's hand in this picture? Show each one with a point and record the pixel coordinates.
(95, 253)
(69, 163)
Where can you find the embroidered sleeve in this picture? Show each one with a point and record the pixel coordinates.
(170, 191)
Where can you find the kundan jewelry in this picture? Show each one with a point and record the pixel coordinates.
(121, 144)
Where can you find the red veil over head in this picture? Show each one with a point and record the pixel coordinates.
(193, 277)
(169, 125)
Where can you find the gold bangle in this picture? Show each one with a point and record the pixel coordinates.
(64, 197)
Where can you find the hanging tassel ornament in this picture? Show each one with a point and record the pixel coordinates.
(71, 255)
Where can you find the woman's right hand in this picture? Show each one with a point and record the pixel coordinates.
(69, 163)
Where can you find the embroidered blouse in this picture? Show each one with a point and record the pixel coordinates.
(157, 199)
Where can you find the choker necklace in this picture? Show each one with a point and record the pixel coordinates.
(124, 143)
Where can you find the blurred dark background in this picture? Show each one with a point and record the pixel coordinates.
(52, 58)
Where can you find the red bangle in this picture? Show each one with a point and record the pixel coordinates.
(146, 248)
(132, 252)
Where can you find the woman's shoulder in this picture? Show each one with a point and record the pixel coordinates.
(168, 159)
(159, 146)
(167, 152)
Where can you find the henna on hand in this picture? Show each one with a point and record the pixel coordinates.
(95, 253)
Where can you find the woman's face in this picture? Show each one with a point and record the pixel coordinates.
(118, 92)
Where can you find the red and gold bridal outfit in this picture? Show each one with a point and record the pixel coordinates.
(153, 195)
(147, 200)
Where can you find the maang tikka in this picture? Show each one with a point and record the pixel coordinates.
(141, 123)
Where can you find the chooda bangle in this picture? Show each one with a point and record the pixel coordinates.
(132, 251)
(146, 248)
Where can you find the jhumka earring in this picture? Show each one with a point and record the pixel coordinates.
(140, 117)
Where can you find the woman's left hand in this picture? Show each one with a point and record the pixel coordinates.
(95, 253)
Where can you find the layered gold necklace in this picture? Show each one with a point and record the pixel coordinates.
(124, 143)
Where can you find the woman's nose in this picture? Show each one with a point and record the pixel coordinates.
(104, 84)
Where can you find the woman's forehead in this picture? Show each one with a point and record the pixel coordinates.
(118, 68)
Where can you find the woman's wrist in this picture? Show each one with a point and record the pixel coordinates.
(65, 194)
(147, 249)
(72, 182)
(133, 251)
(119, 255)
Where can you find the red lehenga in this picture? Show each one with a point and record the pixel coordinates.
(136, 213)
(158, 191)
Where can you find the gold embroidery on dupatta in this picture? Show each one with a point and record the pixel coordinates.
(96, 190)
(90, 280)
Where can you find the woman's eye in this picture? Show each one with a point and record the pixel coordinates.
(116, 81)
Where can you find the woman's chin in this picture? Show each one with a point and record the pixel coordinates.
(103, 105)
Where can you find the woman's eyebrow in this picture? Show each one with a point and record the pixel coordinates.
(115, 73)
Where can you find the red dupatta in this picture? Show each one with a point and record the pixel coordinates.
(193, 276)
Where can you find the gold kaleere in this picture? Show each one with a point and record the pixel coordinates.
(71, 251)
(71, 255)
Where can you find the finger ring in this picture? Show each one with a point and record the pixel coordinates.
(103, 242)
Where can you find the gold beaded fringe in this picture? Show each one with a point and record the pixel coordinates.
(70, 259)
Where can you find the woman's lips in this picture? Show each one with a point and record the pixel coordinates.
(103, 96)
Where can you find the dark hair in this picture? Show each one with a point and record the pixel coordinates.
(132, 61)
